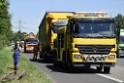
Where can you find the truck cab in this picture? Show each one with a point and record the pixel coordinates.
(29, 42)
(87, 40)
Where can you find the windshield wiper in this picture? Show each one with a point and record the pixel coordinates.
(92, 36)
(82, 35)
(104, 36)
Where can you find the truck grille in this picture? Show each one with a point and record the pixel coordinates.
(94, 49)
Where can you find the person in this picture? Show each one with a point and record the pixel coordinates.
(16, 56)
(35, 51)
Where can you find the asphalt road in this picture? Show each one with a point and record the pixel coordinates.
(80, 75)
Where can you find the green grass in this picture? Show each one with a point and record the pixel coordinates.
(35, 74)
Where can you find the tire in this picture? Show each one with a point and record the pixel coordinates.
(107, 69)
(46, 57)
(99, 69)
(69, 67)
(88, 66)
(69, 64)
(64, 62)
(118, 54)
(55, 62)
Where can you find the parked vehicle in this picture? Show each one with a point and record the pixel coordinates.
(29, 42)
(48, 28)
(88, 39)
(121, 43)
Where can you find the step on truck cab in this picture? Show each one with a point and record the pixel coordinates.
(88, 39)
(48, 31)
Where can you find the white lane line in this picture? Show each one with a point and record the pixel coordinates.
(115, 79)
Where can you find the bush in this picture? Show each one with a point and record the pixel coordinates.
(3, 41)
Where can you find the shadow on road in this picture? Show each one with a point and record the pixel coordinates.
(41, 61)
(75, 70)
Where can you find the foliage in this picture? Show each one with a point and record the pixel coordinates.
(18, 36)
(3, 41)
(119, 23)
(31, 33)
(5, 23)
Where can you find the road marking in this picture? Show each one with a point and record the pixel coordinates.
(115, 79)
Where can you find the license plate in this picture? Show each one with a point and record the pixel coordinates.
(95, 58)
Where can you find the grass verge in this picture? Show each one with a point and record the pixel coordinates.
(34, 74)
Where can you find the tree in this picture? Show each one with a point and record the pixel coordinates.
(119, 23)
(18, 36)
(31, 33)
(5, 22)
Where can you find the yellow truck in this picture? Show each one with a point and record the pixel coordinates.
(89, 39)
(29, 41)
(48, 31)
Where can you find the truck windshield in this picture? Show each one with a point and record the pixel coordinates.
(56, 27)
(58, 24)
(121, 39)
(94, 29)
(31, 41)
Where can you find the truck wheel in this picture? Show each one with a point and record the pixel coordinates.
(69, 67)
(99, 69)
(87, 66)
(69, 63)
(107, 69)
(64, 63)
(118, 56)
(55, 62)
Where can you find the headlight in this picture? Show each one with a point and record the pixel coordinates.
(77, 56)
(111, 57)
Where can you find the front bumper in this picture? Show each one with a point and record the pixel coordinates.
(93, 59)
(94, 64)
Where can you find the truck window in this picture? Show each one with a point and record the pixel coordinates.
(83, 28)
(95, 29)
(121, 39)
(103, 28)
(56, 27)
(58, 24)
(31, 40)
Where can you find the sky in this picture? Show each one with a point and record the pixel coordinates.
(28, 14)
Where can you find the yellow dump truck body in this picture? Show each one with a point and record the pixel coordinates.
(47, 26)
